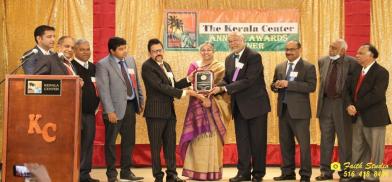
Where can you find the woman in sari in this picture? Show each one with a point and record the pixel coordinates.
(203, 136)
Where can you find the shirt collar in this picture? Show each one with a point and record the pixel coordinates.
(81, 62)
(45, 52)
(294, 62)
(240, 53)
(365, 70)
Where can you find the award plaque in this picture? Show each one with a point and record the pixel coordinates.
(204, 81)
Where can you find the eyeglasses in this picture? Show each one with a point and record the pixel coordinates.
(290, 49)
(157, 51)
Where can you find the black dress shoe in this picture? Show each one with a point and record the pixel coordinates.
(131, 177)
(285, 177)
(89, 180)
(324, 177)
(257, 179)
(344, 179)
(174, 179)
(239, 178)
(304, 179)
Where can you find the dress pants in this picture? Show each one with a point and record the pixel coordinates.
(251, 139)
(162, 132)
(87, 141)
(288, 129)
(126, 128)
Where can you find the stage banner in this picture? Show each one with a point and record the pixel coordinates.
(264, 29)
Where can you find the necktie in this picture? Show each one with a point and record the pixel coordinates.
(127, 82)
(288, 77)
(359, 83)
(237, 69)
(331, 87)
(86, 65)
(69, 67)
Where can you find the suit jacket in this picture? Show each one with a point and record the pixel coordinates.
(90, 100)
(347, 67)
(50, 65)
(112, 86)
(371, 102)
(159, 91)
(297, 92)
(30, 62)
(248, 91)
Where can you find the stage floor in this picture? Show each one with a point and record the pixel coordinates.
(228, 172)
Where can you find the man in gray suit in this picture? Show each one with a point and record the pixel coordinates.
(334, 71)
(121, 97)
(294, 80)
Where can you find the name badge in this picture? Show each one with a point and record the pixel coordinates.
(93, 79)
(170, 74)
(239, 65)
(131, 71)
(294, 74)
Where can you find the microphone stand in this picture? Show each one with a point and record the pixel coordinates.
(16, 69)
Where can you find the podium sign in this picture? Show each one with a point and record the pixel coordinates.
(42, 125)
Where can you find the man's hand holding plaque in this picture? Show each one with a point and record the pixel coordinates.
(203, 81)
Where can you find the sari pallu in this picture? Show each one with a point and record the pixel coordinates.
(201, 143)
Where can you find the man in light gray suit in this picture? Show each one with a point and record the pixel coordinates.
(334, 69)
(121, 97)
(294, 80)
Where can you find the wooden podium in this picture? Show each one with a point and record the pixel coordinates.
(42, 125)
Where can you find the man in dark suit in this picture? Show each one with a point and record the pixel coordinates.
(121, 97)
(90, 101)
(161, 89)
(294, 80)
(367, 106)
(244, 82)
(58, 63)
(44, 39)
(334, 70)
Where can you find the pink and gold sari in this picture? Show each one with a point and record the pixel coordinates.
(203, 136)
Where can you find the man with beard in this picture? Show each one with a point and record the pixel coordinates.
(161, 89)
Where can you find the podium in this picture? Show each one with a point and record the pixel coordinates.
(42, 125)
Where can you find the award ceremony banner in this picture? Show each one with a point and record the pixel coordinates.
(264, 29)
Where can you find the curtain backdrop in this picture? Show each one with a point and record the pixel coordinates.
(321, 22)
(137, 22)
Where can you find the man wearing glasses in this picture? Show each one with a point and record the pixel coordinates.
(294, 79)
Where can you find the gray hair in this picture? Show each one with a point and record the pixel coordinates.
(80, 41)
(207, 43)
(343, 44)
(236, 34)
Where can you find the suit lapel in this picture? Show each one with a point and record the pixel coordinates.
(116, 68)
(325, 69)
(368, 76)
(298, 68)
(283, 69)
(160, 71)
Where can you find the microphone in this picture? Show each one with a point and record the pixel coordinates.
(34, 51)
(23, 58)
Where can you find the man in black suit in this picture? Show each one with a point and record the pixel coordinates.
(90, 101)
(161, 89)
(44, 38)
(367, 106)
(244, 82)
(294, 80)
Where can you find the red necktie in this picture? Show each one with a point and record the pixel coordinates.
(359, 83)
